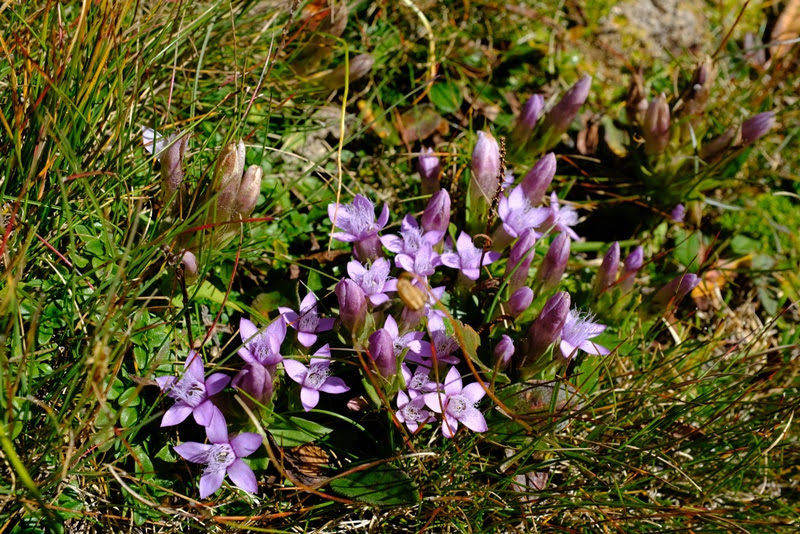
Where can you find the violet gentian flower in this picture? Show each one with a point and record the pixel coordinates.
(262, 347)
(436, 216)
(554, 263)
(381, 351)
(546, 328)
(504, 350)
(607, 273)
(412, 238)
(443, 345)
(374, 281)
(468, 257)
(423, 263)
(352, 304)
(457, 404)
(756, 127)
(576, 334)
(412, 341)
(192, 391)
(559, 218)
(411, 411)
(485, 166)
(538, 179)
(429, 169)
(517, 213)
(630, 267)
(526, 121)
(677, 213)
(564, 112)
(358, 226)
(676, 289)
(418, 382)
(222, 456)
(315, 378)
(519, 260)
(519, 301)
(307, 322)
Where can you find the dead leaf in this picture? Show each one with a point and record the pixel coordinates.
(787, 27)
(419, 123)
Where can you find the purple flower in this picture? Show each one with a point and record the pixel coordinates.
(255, 380)
(757, 126)
(544, 331)
(526, 121)
(630, 267)
(374, 280)
(468, 257)
(443, 345)
(554, 263)
(381, 351)
(412, 238)
(352, 304)
(436, 216)
(607, 273)
(519, 260)
(222, 456)
(517, 213)
(504, 350)
(563, 113)
(307, 322)
(423, 264)
(520, 301)
(358, 225)
(411, 411)
(677, 213)
(418, 382)
(192, 391)
(410, 340)
(676, 289)
(485, 167)
(262, 347)
(559, 218)
(429, 170)
(576, 334)
(538, 179)
(457, 405)
(314, 378)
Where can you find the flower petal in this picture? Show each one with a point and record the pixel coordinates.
(325, 324)
(392, 243)
(452, 382)
(306, 339)
(451, 260)
(194, 365)
(473, 419)
(449, 425)
(474, 392)
(590, 347)
(205, 412)
(296, 370)
(568, 350)
(243, 476)
(308, 302)
(165, 382)
(193, 451)
(383, 218)
(247, 330)
(355, 269)
(216, 383)
(245, 444)
(210, 482)
(217, 427)
(177, 413)
(334, 385)
(309, 398)
(435, 401)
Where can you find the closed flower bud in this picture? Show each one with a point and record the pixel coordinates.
(675, 290)
(247, 196)
(756, 127)
(381, 351)
(677, 213)
(436, 216)
(171, 160)
(485, 167)
(520, 301)
(519, 260)
(189, 264)
(630, 267)
(554, 263)
(564, 112)
(227, 178)
(429, 169)
(655, 129)
(716, 146)
(607, 274)
(546, 329)
(526, 121)
(352, 305)
(538, 179)
(504, 350)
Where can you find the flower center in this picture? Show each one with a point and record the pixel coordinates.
(418, 381)
(189, 390)
(412, 239)
(359, 221)
(412, 413)
(457, 405)
(261, 351)
(317, 375)
(308, 321)
(371, 282)
(220, 457)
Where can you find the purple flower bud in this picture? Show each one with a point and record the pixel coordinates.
(429, 169)
(716, 146)
(675, 290)
(520, 301)
(172, 165)
(538, 179)
(381, 351)
(256, 380)
(352, 305)
(436, 216)
(756, 127)
(189, 263)
(526, 121)
(655, 129)
(249, 188)
(631, 266)
(564, 112)
(677, 213)
(227, 178)
(607, 274)
(504, 350)
(554, 263)
(485, 168)
(546, 329)
(519, 260)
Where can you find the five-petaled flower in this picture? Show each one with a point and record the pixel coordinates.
(358, 226)
(469, 258)
(307, 322)
(576, 334)
(314, 378)
(559, 218)
(411, 411)
(411, 238)
(222, 456)
(517, 213)
(192, 391)
(457, 404)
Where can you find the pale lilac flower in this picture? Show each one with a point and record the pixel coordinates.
(676, 289)
(411, 318)
(607, 273)
(677, 213)
(468, 257)
(576, 334)
(411, 239)
(757, 126)
(517, 213)
(307, 322)
(631, 266)
(526, 121)
(374, 281)
(519, 301)
(554, 263)
(352, 305)
(538, 179)
(314, 378)
(519, 260)
(504, 350)
(423, 264)
(411, 411)
(359, 226)
(559, 218)
(443, 345)
(457, 404)
(410, 340)
(546, 328)
(565, 111)
(419, 382)
(222, 456)
(262, 347)
(485, 166)
(192, 391)
(153, 141)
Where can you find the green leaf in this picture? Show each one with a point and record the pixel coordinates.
(687, 250)
(129, 397)
(382, 485)
(128, 417)
(207, 291)
(446, 96)
(165, 454)
(143, 464)
(295, 431)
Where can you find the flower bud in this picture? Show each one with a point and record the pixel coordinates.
(756, 127)
(538, 179)
(655, 129)
(554, 263)
(504, 350)
(485, 168)
(247, 196)
(716, 146)
(546, 329)
(630, 267)
(675, 290)
(352, 305)
(227, 178)
(429, 171)
(381, 351)
(256, 380)
(189, 263)
(677, 213)
(520, 301)
(607, 274)
(526, 121)
(172, 165)
(564, 112)
(436, 216)
(519, 260)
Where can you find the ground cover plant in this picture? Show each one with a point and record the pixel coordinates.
(398, 266)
